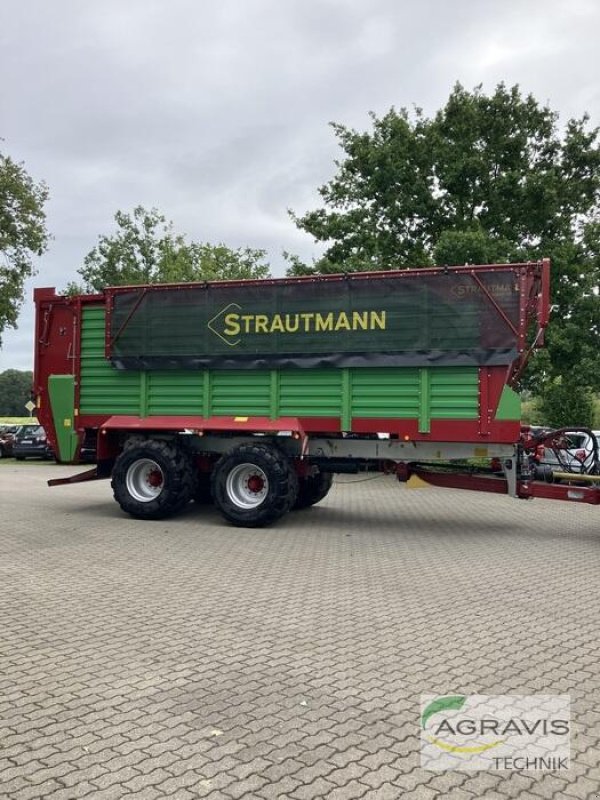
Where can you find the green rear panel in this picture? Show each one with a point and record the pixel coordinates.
(509, 406)
(394, 392)
(61, 392)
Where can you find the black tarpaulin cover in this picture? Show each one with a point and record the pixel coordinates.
(400, 319)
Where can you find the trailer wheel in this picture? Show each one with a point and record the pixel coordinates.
(152, 480)
(136, 440)
(254, 485)
(313, 489)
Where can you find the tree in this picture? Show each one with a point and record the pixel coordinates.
(15, 391)
(145, 249)
(487, 179)
(566, 403)
(23, 235)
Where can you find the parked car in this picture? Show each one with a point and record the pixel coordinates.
(7, 437)
(573, 452)
(30, 442)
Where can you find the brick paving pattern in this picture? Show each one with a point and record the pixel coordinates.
(187, 659)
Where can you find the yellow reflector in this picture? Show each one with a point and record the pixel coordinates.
(240, 419)
(414, 482)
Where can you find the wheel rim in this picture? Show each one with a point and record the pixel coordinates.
(247, 485)
(144, 480)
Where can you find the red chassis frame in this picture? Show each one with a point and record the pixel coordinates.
(526, 489)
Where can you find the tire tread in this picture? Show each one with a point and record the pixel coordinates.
(283, 483)
(179, 478)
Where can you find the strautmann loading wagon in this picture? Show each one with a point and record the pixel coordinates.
(252, 394)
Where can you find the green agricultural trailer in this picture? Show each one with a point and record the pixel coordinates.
(252, 394)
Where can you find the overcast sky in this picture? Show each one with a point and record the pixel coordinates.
(217, 112)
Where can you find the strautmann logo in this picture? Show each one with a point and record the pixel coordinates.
(231, 323)
(529, 732)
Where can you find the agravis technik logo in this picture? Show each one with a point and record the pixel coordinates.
(529, 732)
(452, 702)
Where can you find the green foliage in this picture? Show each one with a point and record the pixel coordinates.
(472, 246)
(530, 414)
(15, 391)
(73, 289)
(380, 199)
(321, 266)
(23, 235)
(487, 179)
(567, 403)
(146, 249)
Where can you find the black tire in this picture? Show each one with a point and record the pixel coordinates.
(252, 506)
(152, 479)
(136, 440)
(20, 458)
(202, 493)
(2, 453)
(313, 489)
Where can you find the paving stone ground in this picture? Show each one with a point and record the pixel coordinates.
(190, 659)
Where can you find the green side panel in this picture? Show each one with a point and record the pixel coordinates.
(175, 392)
(371, 392)
(104, 390)
(509, 406)
(385, 392)
(454, 393)
(310, 393)
(61, 391)
(244, 392)
(423, 394)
